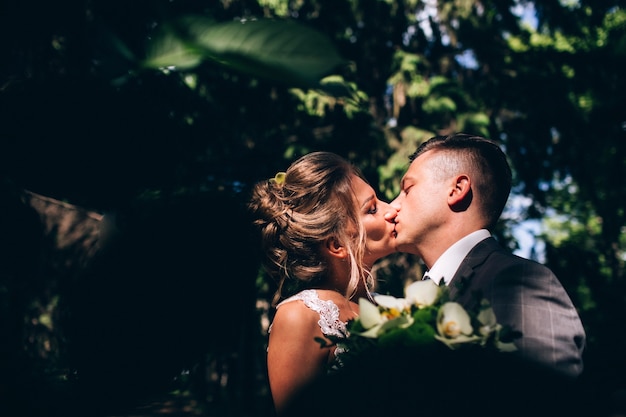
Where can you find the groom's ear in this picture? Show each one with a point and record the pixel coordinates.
(460, 195)
(335, 249)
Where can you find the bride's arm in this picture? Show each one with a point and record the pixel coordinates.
(294, 358)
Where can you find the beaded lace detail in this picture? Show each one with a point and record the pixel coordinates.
(329, 314)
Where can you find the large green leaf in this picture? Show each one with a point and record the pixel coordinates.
(169, 50)
(279, 50)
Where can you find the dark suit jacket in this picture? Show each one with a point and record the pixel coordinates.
(527, 296)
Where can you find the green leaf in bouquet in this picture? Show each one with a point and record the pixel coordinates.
(394, 337)
(355, 326)
(507, 334)
(426, 315)
(420, 334)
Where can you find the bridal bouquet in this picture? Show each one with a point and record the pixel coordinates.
(424, 317)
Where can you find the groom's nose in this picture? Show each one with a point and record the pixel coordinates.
(395, 203)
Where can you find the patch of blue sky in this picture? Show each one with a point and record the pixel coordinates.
(526, 11)
(525, 231)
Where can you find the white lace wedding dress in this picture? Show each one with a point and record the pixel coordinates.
(328, 311)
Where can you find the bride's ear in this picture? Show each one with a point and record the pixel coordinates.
(335, 249)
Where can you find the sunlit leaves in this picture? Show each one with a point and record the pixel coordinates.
(278, 7)
(439, 105)
(332, 91)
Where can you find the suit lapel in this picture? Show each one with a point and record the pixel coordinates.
(461, 281)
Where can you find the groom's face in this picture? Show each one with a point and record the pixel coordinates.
(421, 205)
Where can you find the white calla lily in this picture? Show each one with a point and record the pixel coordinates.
(369, 315)
(376, 322)
(453, 321)
(489, 324)
(487, 317)
(422, 293)
(391, 303)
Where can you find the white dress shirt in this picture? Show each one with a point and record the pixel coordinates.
(445, 267)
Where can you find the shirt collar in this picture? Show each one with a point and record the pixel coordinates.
(447, 264)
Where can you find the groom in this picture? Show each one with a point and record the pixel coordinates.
(451, 196)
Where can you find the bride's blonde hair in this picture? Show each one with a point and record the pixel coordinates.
(297, 212)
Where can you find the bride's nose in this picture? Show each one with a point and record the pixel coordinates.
(391, 213)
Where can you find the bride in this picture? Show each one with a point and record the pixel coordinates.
(322, 228)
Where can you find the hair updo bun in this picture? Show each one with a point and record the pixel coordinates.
(297, 212)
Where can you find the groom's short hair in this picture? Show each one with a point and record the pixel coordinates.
(486, 160)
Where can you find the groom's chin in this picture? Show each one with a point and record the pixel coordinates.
(404, 247)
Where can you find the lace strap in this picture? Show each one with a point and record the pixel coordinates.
(328, 311)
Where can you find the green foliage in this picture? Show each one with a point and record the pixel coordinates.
(278, 7)
(282, 51)
(333, 91)
(402, 145)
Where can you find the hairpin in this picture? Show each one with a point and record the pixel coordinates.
(279, 178)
